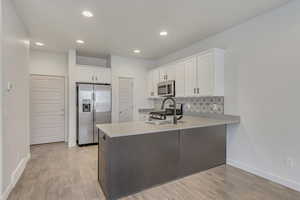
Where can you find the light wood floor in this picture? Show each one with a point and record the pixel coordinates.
(57, 172)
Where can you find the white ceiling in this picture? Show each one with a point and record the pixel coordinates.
(119, 26)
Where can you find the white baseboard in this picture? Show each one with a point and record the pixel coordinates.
(277, 179)
(71, 144)
(15, 176)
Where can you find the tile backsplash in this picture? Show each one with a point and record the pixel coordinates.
(198, 104)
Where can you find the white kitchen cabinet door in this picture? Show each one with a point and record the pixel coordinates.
(99, 74)
(163, 74)
(102, 75)
(155, 81)
(85, 74)
(167, 73)
(150, 84)
(171, 72)
(205, 75)
(180, 79)
(190, 75)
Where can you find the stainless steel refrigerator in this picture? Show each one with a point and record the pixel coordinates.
(93, 107)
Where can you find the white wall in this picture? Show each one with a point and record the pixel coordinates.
(262, 68)
(48, 63)
(1, 105)
(15, 102)
(72, 96)
(131, 68)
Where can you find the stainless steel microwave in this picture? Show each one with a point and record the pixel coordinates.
(166, 89)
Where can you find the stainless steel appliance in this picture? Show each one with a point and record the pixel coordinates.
(166, 89)
(93, 107)
(175, 110)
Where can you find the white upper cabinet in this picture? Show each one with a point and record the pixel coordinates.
(162, 74)
(150, 84)
(93, 74)
(198, 75)
(210, 73)
(152, 81)
(155, 81)
(85, 74)
(167, 73)
(190, 76)
(102, 75)
(205, 75)
(179, 79)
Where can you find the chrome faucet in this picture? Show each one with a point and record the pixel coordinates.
(174, 104)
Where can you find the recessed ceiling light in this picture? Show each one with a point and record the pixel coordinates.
(87, 13)
(40, 44)
(136, 51)
(79, 41)
(163, 33)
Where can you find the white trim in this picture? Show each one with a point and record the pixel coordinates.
(46, 139)
(267, 175)
(15, 176)
(71, 144)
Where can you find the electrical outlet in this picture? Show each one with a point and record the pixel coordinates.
(289, 162)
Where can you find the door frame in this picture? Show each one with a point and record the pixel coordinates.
(118, 102)
(65, 100)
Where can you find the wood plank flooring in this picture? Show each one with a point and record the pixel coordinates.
(56, 172)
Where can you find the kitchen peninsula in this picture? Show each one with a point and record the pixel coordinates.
(137, 155)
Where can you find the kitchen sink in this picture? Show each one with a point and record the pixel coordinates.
(162, 122)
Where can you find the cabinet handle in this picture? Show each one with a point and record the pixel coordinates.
(194, 90)
(96, 78)
(197, 90)
(166, 77)
(92, 78)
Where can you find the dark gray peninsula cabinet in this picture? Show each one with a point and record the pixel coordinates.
(134, 156)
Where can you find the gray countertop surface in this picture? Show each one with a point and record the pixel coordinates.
(187, 122)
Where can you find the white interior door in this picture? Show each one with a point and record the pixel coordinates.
(47, 109)
(125, 99)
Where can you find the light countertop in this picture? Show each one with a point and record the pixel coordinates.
(187, 122)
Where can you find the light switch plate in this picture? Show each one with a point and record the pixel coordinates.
(9, 86)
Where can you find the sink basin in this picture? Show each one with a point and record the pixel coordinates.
(158, 122)
(162, 122)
